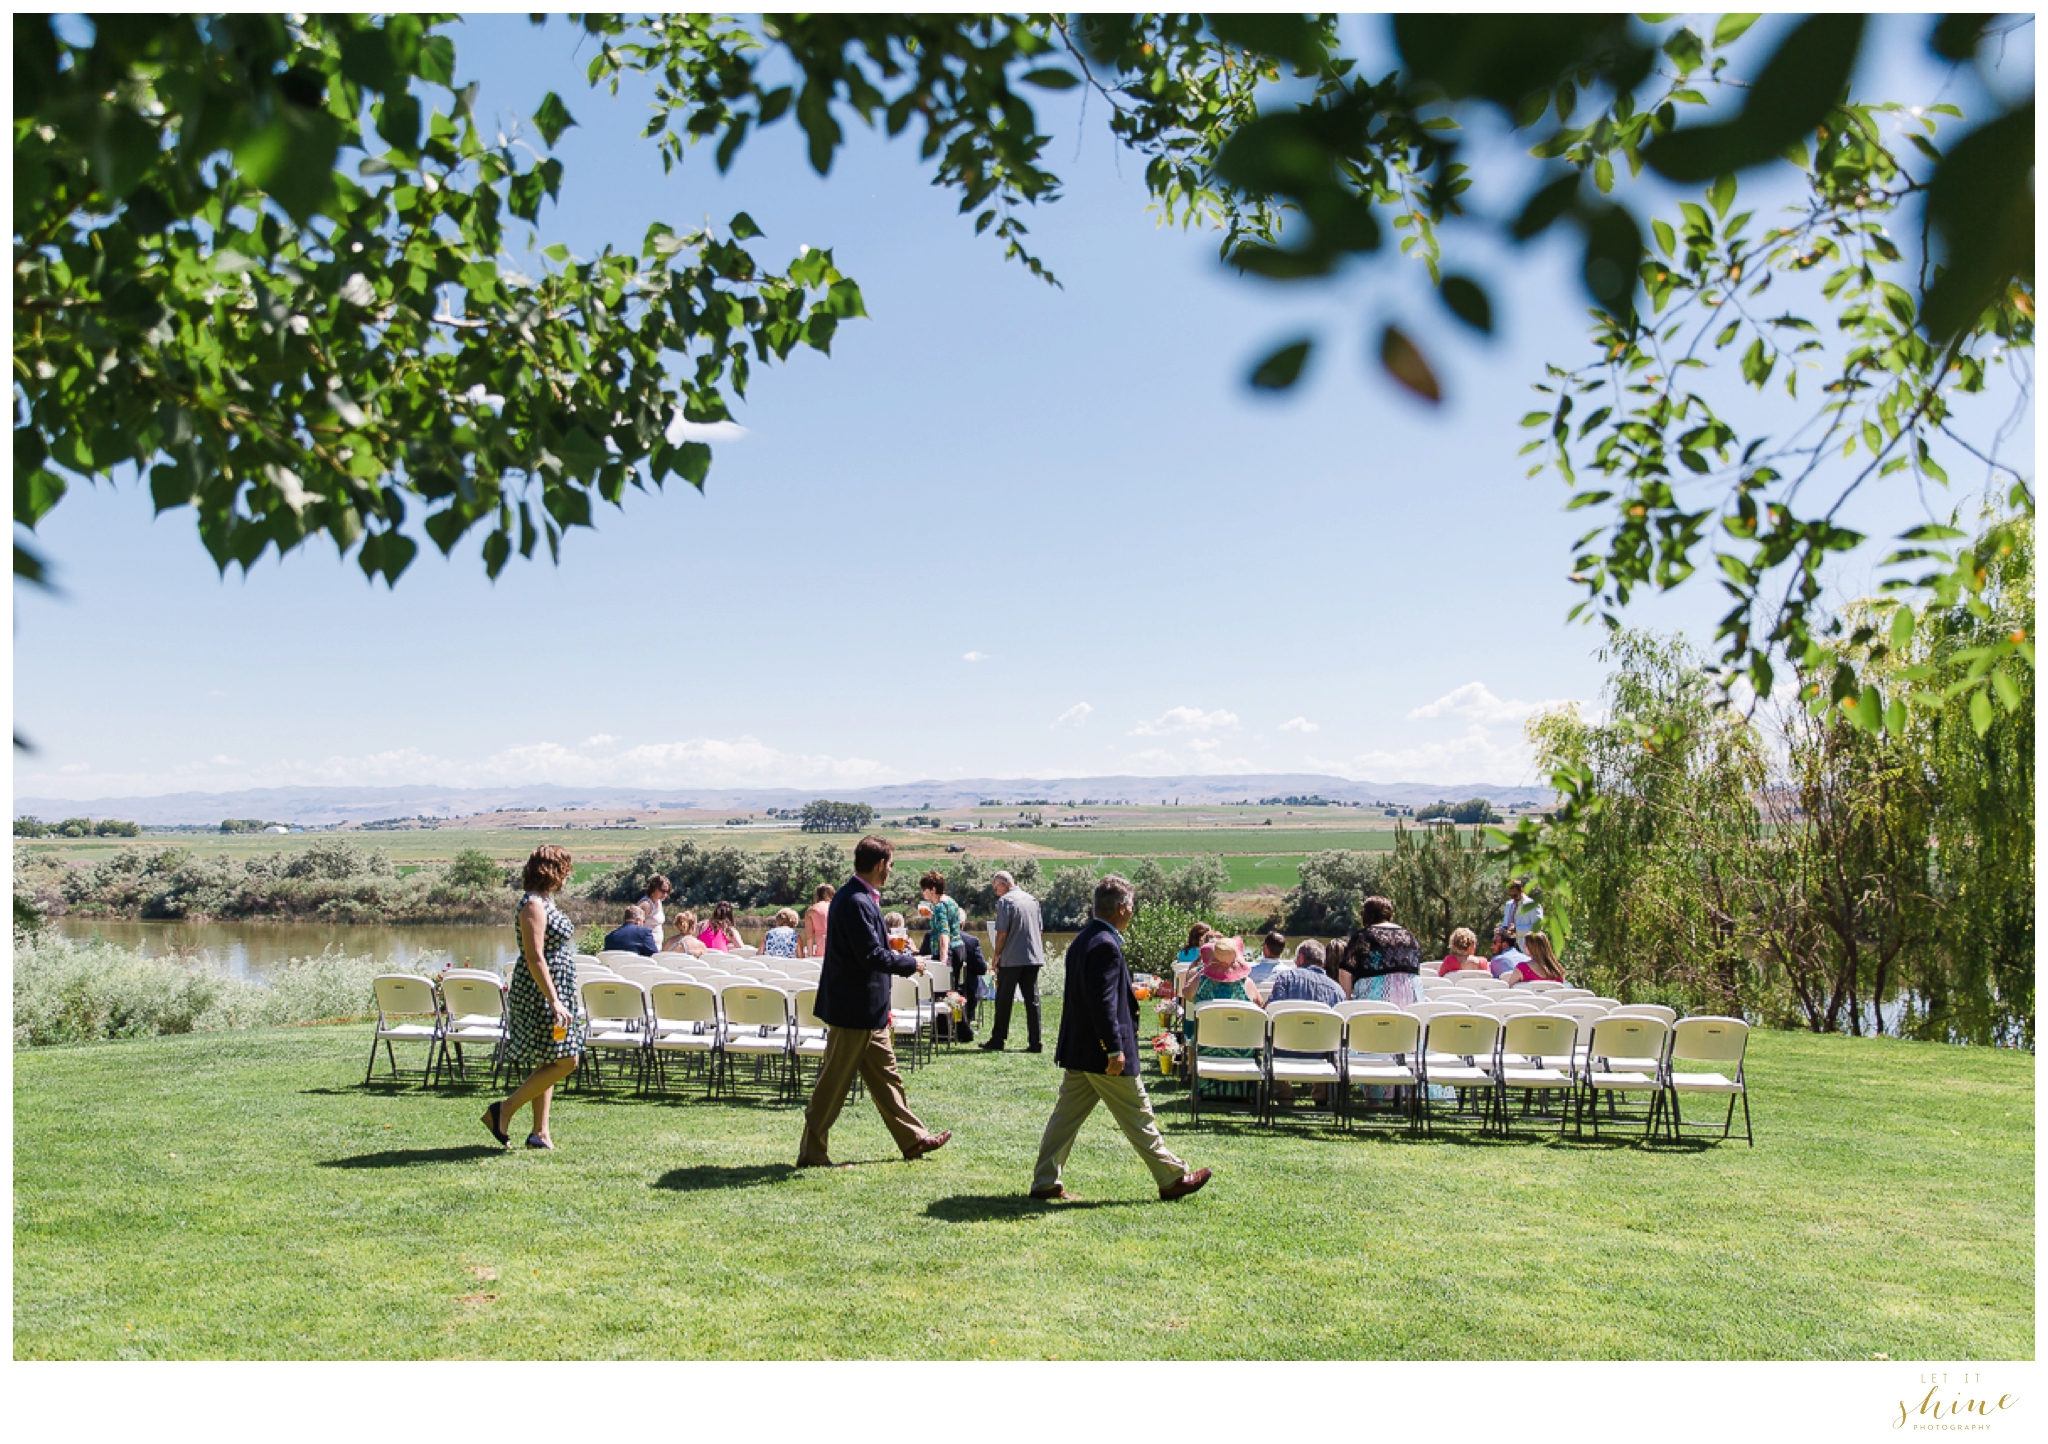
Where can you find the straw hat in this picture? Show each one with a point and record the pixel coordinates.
(1223, 961)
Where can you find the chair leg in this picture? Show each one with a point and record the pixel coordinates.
(371, 1071)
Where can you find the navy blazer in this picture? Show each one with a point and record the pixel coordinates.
(1100, 1016)
(853, 980)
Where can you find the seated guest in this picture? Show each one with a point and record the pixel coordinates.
(721, 934)
(684, 938)
(969, 967)
(1333, 958)
(1223, 977)
(1382, 958)
(1542, 964)
(1262, 971)
(781, 939)
(1190, 957)
(1506, 960)
(633, 935)
(1304, 982)
(1464, 944)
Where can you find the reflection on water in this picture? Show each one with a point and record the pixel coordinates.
(248, 949)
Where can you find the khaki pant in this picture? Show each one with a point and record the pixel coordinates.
(1125, 1098)
(873, 1056)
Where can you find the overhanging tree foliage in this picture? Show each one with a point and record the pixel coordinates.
(201, 293)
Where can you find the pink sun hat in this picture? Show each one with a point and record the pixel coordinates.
(1223, 961)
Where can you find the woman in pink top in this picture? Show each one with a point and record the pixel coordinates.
(721, 934)
(1542, 965)
(1464, 942)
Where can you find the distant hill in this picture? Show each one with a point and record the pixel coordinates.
(318, 806)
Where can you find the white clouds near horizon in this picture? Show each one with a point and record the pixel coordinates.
(743, 761)
(1186, 719)
(1298, 724)
(1074, 716)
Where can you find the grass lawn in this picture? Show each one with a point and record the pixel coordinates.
(239, 1195)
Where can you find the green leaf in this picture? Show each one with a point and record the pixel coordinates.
(1052, 78)
(1294, 38)
(552, 118)
(1902, 628)
(1721, 195)
(2007, 689)
(743, 227)
(1407, 365)
(1667, 240)
(1731, 28)
(1468, 302)
(1282, 368)
(1980, 711)
(1790, 96)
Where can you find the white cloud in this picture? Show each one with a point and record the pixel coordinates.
(216, 692)
(974, 656)
(680, 431)
(1074, 716)
(1298, 724)
(1186, 719)
(602, 739)
(1474, 703)
(76, 767)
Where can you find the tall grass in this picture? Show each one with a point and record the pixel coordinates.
(83, 992)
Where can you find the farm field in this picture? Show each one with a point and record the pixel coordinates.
(241, 1195)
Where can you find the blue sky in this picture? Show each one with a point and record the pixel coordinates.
(1004, 529)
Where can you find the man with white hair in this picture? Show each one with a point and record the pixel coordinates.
(1098, 1047)
(1020, 953)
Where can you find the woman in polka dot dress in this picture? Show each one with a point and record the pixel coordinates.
(543, 1031)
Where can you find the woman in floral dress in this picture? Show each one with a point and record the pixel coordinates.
(1382, 960)
(781, 939)
(544, 1032)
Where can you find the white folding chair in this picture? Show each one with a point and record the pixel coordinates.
(1227, 1024)
(1352, 1007)
(1458, 1052)
(685, 1022)
(408, 1011)
(1532, 1048)
(473, 1007)
(1569, 994)
(907, 1016)
(757, 1027)
(807, 1037)
(1667, 1016)
(613, 957)
(1381, 1052)
(1305, 1028)
(1624, 1056)
(1709, 1040)
(617, 1012)
(1506, 1008)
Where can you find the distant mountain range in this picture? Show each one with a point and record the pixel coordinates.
(319, 806)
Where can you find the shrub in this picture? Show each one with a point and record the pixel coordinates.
(1159, 930)
(1333, 885)
(1067, 903)
(82, 992)
(474, 868)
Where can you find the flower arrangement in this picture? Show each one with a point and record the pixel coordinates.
(1167, 1049)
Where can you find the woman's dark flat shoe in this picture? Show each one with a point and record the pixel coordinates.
(494, 1122)
(534, 1140)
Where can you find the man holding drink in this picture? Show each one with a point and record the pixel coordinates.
(853, 1003)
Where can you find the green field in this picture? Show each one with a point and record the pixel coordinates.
(1247, 871)
(241, 1195)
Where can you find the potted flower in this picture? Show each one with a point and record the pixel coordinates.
(1166, 1048)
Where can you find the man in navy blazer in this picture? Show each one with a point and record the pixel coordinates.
(853, 1003)
(1098, 1046)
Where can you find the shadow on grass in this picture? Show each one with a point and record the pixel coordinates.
(409, 1157)
(708, 1176)
(1016, 1207)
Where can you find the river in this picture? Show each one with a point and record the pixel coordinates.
(249, 949)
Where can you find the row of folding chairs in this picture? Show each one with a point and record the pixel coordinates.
(1477, 1059)
(463, 1010)
(721, 1025)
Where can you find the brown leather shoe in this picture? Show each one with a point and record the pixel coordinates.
(1056, 1194)
(931, 1144)
(1186, 1184)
